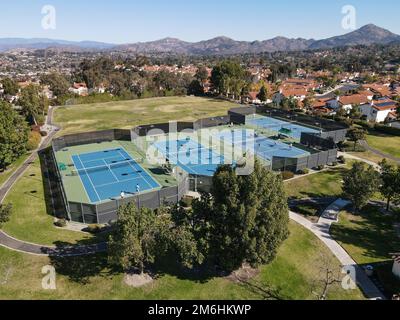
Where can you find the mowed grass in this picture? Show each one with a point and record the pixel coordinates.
(327, 183)
(127, 114)
(294, 274)
(30, 219)
(11, 169)
(385, 143)
(369, 237)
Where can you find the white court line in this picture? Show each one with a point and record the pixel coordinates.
(109, 168)
(145, 180)
(91, 182)
(109, 184)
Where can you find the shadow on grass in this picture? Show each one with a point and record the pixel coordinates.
(371, 231)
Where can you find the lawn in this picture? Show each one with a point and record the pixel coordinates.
(31, 220)
(369, 238)
(293, 274)
(385, 143)
(11, 169)
(327, 183)
(127, 114)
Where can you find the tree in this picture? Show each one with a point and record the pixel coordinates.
(5, 214)
(10, 86)
(355, 112)
(57, 83)
(228, 77)
(196, 88)
(308, 102)
(355, 135)
(34, 106)
(132, 244)
(390, 182)
(202, 74)
(13, 135)
(263, 94)
(359, 184)
(245, 217)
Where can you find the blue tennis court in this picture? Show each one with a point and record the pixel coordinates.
(108, 174)
(190, 156)
(261, 146)
(294, 130)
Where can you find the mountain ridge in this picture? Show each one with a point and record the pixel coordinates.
(222, 45)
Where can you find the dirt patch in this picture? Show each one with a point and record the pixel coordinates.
(243, 274)
(136, 280)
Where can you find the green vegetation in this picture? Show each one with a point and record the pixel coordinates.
(32, 220)
(127, 114)
(11, 168)
(369, 237)
(293, 271)
(323, 184)
(14, 135)
(385, 143)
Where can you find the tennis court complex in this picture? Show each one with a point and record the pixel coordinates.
(290, 129)
(250, 142)
(191, 156)
(111, 173)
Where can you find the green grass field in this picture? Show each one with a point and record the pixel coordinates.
(127, 114)
(10, 170)
(293, 273)
(385, 143)
(323, 184)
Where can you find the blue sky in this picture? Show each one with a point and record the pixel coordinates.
(122, 21)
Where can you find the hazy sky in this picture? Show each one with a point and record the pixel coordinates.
(121, 21)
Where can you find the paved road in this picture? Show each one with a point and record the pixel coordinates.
(322, 231)
(379, 153)
(35, 249)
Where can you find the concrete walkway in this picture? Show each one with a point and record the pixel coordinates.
(322, 231)
(378, 152)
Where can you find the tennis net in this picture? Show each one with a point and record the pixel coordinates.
(129, 164)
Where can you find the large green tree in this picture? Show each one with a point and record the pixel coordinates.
(57, 83)
(228, 77)
(132, 244)
(34, 105)
(355, 135)
(360, 183)
(263, 94)
(13, 135)
(390, 182)
(245, 218)
(10, 86)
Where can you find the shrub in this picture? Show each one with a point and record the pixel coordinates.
(304, 171)
(61, 223)
(342, 159)
(43, 133)
(335, 164)
(34, 140)
(388, 130)
(286, 175)
(187, 202)
(94, 228)
(320, 168)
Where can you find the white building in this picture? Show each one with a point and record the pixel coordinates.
(379, 110)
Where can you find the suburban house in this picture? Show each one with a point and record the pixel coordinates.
(79, 89)
(381, 90)
(380, 110)
(347, 102)
(298, 93)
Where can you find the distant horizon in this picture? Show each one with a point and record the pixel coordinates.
(172, 37)
(123, 22)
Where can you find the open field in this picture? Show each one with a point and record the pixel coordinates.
(385, 143)
(127, 114)
(294, 272)
(369, 238)
(31, 220)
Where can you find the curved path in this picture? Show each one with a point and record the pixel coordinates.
(378, 152)
(322, 231)
(35, 249)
